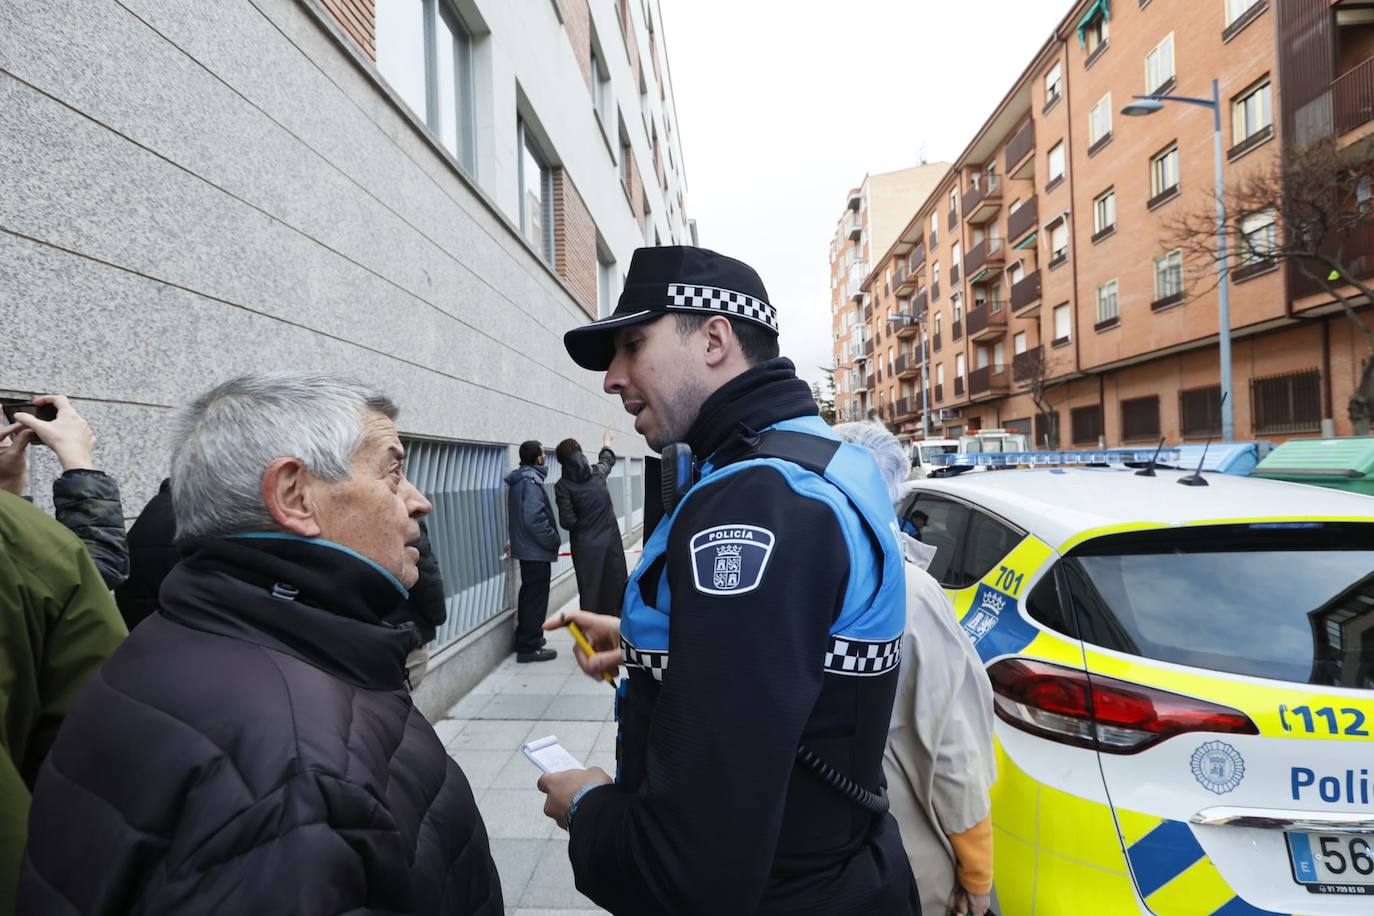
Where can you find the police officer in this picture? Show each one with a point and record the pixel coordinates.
(761, 628)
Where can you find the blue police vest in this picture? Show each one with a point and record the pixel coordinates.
(865, 638)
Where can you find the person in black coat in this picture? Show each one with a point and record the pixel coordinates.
(152, 554)
(586, 510)
(251, 747)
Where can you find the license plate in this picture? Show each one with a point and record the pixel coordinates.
(1333, 863)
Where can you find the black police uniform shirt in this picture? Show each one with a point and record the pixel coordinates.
(786, 614)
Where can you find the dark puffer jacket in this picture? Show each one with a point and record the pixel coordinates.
(87, 502)
(251, 749)
(152, 554)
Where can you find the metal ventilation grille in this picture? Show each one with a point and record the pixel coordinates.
(467, 529)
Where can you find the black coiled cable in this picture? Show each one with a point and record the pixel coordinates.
(875, 802)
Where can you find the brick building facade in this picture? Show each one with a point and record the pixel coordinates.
(1040, 262)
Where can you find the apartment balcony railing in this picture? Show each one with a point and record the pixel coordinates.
(905, 408)
(868, 349)
(958, 386)
(989, 382)
(916, 258)
(855, 288)
(904, 325)
(868, 382)
(1022, 220)
(939, 392)
(1020, 152)
(983, 200)
(906, 366)
(936, 341)
(920, 303)
(988, 321)
(1025, 365)
(957, 330)
(862, 383)
(954, 275)
(935, 291)
(983, 259)
(1352, 97)
(1025, 296)
(1355, 250)
(855, 228)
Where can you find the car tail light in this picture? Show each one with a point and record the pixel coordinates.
(1101, 713)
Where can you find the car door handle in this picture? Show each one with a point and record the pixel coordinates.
(1280, 819)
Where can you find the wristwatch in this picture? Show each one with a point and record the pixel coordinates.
(572, 808)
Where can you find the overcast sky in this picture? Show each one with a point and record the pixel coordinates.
(781, 111)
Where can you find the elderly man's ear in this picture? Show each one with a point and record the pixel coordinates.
(290, 493)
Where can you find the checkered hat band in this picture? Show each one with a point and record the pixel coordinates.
(653, 662)
(862, 658)
(726, 301)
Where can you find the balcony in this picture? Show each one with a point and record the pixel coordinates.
(1021, 152)
(1025, 366)
(905, 326)
(898, 321)
(939, 392)
(984, 259)
(862, 383)
(916, 259)
(868, 349)
(906, 366)
(904, 281)
(957, 331)
(936, 342)
(954, 275)
(856, 198)
(868, 382)
(983, 200)
(987, 322)
(1022, 220)
(958, 386)
(1352, 97)
(935, 291)
(989, 382)
(855, 288)
(855, 228)
(1025, 296)
(906, 408)
(920, 304)
(934, 239)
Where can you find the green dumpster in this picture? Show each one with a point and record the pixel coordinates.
(1343, 464)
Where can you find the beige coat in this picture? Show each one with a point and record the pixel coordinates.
(939, 759)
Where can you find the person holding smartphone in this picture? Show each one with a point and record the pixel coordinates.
(85, 499)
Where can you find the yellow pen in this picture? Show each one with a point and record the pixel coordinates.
(581, 639)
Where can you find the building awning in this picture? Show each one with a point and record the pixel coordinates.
(1101, 8)
(1027, 242)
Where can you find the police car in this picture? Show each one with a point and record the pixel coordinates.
(1184, 686)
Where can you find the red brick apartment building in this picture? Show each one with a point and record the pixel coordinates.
(1040, 261)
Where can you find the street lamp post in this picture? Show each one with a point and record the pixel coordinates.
(1148, 105)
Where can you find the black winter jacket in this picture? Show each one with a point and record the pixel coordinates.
(533, 531)
(152, 554)
(251, 748)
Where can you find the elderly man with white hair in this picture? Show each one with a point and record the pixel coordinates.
(252, 748)
(939, 760)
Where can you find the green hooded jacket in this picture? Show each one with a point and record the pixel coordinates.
(58, 623)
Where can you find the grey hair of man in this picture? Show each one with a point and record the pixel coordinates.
(886, 450)
(227, 437)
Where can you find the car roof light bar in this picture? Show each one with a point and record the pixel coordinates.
(1056, 458)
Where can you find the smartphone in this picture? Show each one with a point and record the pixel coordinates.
(44, 412)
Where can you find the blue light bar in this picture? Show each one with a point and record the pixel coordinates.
(1049, 459)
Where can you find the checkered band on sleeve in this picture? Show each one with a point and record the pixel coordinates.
(862, 658)
(653, 662)
(715, 299)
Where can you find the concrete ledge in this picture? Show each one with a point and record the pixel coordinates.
(458, 668)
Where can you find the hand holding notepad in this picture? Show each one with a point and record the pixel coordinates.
(550, 756)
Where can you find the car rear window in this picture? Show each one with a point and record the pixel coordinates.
(1290, 602)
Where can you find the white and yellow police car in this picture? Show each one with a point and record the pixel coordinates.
(1184, 686)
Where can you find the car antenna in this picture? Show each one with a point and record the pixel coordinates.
(1149, 469)
(1195, 479)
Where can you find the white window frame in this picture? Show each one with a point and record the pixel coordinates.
(1100, 120)
(439, 117)
(1104, 211)
(1067, 322)
(1169, 274)
(1054, 82)
(1060, 229)
(1160, 168)
(1237, 8)
(527, 148)
(1050, 158)
(1108, 301)
(1251, 224)
(959, 365)
(1018, 343)
(605, 282)
(1252, 111)
(1159, 65)
(999, 355)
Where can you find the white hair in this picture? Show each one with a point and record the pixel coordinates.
(886, 450)
(226, 439)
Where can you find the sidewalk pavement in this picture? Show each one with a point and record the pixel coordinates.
(484, 731)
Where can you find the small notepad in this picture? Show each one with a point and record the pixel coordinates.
(550, 756)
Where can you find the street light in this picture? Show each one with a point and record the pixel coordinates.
(1148, 105)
